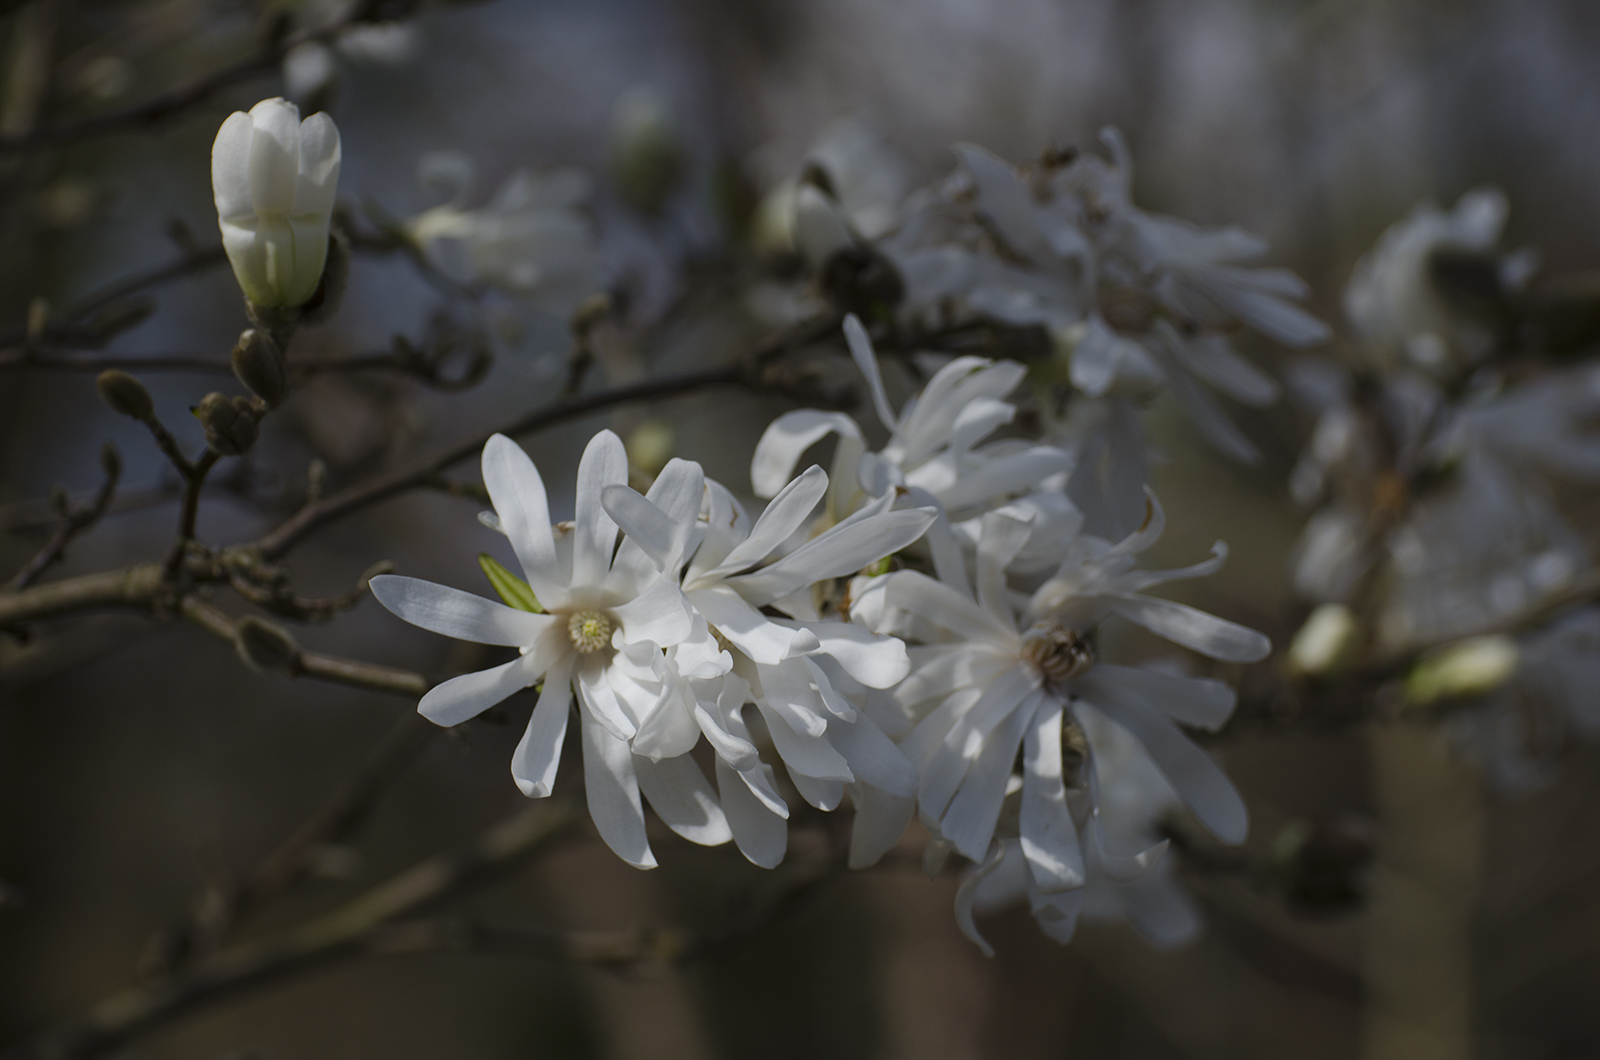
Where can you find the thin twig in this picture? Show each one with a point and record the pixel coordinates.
(344, 932)
(194, 481)
(74, 521)
(426, 471)
(330, 668)
(224, 904)
(176, 100)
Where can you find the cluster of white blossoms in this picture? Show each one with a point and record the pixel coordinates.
(1130, 303)
(853, 639)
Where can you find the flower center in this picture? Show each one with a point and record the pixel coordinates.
(590, 630)
(1057, 651)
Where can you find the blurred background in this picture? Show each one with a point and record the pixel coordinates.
(139, 759)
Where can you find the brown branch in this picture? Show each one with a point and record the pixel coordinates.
(331, 668)
(344, 932)
(225, 903)
(74, 520)
(180, 98)
(426, 471)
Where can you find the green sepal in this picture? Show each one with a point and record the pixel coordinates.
(512, 589)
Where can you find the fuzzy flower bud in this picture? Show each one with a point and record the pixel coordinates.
(274, 178)
(230, 423)
(259, 365)
(1470, 667)
(125, 394)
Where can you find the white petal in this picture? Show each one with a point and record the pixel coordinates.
(533, 764)
(762, 835)
(823, 794)
(872, 756)
(659, 615)
(880, 821)
(230, 166)
(604, 463)
(612, 790)
(274, 156)
(876, 661)
(1001, 539)
(866, 359)
(786, 438)
(601, 701)
(667, 729)
(1194, 629)
(644, 524)
(517, 492)
(683, 799)
(947, 608)
(948, 765)
(1049, 836)
(1213, 358)
(1198, 780)
(1201, 702)
(317, 182)
(968, 890)
(469, 695)
(841, 550)
(753, 633)
(968, 825)
(458, 614)
(784, 515)
(811, 755)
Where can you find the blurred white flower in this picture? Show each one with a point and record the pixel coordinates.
(607, 619)
(1395, 305)
(533, 240)
(275, 178)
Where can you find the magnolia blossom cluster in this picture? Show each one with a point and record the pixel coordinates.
(1129, 303)
(917, 630)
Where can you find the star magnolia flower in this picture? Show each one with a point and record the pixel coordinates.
(996, 682)
(931, 442)
(792, 672)
(606, 616)
(274, 178)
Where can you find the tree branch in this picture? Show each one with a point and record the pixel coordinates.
(343, 932)
(74, 520)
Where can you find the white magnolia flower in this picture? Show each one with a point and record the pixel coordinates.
(532, 240)
(798, 675)
(607, 617)
(998, 674)
(274, 178)
(933, 442)
(1133, 799)
(1393, 302)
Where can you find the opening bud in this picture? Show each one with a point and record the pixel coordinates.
(261, 367)
(230, 423)
(125, 395)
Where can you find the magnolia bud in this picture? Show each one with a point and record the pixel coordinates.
(1324, 642)
(274, 178)
(1470, 667)
(266, 646)
(125, 394)
(230, 423)
(259, 364)
(647, 157)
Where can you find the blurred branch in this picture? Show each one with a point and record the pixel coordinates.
(176, 100)
(348, 930)
(224, 903)
(74, 519)
(426, 472)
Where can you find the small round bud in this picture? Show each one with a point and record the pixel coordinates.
(260, 365)
(125, 394)
(266, 646)
(230, 423)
